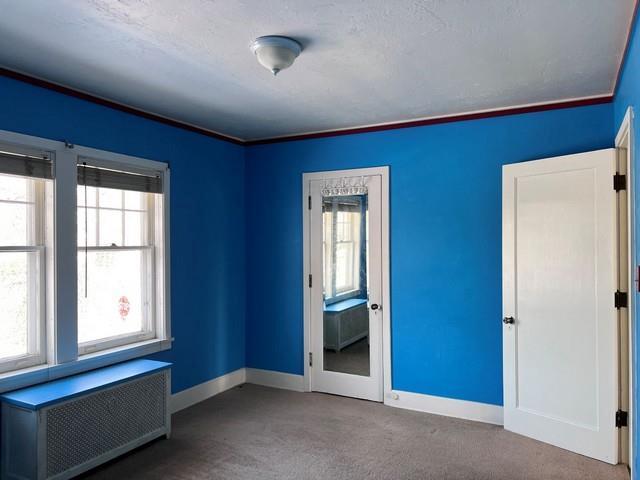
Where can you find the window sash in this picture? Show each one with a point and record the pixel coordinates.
(148, 281)
(36, 281)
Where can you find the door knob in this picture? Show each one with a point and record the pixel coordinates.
(374, 306)
(508, 320)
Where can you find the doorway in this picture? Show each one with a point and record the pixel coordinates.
(346, 297)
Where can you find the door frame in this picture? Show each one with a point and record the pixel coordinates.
(624, 139)
(383, 171)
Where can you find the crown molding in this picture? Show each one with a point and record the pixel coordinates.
(421, 122)
(476, 115)
(89, 97)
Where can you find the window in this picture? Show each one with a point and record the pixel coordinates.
(103, 289)
(343, 259)
(23, 216)
(119, 228)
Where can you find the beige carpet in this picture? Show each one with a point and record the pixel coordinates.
(254, 432)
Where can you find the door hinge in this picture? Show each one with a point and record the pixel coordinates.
(621, 299)
(622, 419)
(309, 202)
(619, 182)
(310, 280)
(311, 360)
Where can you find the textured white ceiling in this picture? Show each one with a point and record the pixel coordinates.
(365, 61)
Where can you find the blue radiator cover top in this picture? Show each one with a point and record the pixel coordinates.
(344, 305)
(45, 394)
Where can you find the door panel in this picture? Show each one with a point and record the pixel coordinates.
(559, 279)
(345, 263)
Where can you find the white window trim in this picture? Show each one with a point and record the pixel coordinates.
(61, 269)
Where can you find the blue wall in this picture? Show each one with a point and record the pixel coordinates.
(207, 218)
(628, 95)
(445, 232)
(445, 240)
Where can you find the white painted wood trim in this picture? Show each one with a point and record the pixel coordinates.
(625, 126)
(270, 378)
(386, 287)
(65, 293)
(448, 407)
(625, 135)
(203, 391)
(386, 266)
(306, 291)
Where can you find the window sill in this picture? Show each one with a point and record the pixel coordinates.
(44, 373)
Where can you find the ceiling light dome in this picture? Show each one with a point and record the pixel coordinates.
(276, 53)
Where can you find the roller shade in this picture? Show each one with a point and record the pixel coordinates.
(106, 178)
(25, 165)
(344, 204)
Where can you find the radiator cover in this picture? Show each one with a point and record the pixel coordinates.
(71, 437)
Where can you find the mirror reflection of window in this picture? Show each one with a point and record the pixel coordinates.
(344, 231)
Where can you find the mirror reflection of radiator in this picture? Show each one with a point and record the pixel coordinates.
(60, 437)
(344, 327)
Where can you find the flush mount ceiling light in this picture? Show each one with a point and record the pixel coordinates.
(275, 53)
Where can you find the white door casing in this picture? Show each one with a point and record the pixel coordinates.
(559, 278)
(357, 386)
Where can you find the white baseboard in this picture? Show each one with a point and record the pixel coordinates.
(449, 407)
(270, 378)
(202, 391)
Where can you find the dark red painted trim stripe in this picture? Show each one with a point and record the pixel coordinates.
(114, 105)
(438, 120)
(305, 136)
(632, 25)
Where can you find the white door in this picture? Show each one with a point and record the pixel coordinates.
(559, 279)
(346, 286)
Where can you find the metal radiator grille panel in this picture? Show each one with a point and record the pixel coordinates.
(91, 426)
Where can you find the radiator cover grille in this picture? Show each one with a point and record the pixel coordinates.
(88, 427)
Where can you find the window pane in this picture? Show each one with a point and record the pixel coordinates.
(91, 195)
(115, 303)
(14, 298)
(13, 188)
(110, 198)
(134, 200)
(17, 222)
(343, 227)
(133, 228)
(90, 226)
(14, 221)
(344, 266)
(110, 227)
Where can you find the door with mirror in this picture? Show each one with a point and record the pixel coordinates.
(345, 300)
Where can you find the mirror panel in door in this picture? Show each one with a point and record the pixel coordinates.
(345, 284)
